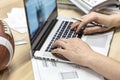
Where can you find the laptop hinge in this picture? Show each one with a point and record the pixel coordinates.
(46, 34)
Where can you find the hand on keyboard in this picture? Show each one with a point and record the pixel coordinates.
(59, 55)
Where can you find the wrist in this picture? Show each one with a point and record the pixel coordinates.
(88, 61)
(93, 60)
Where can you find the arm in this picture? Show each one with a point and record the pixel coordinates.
(105, 66)
(79, 52)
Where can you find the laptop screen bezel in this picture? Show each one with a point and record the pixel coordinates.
(39, 38)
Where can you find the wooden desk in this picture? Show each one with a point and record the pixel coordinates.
(21, 67)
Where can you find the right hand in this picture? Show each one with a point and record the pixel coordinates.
(75, 50)
(96, 17)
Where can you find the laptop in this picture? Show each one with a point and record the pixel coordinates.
(45, 27)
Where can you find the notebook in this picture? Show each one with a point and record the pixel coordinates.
(45, 26)
(94, 5)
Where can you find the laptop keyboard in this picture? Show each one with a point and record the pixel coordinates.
(63, 32)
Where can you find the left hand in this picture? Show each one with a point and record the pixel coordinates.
(74, 49)
(106, 20)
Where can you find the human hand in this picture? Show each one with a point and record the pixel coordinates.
(94, 17)
(74, 49)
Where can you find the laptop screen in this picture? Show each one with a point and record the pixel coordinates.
(39, 15)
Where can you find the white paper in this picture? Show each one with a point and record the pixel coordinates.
(20, 42)
(62, 71)
(17, 20)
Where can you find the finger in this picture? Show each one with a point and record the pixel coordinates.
(84, 22)
(79, 28)
(74, 25)
(59, 42)
(94, 29)
(58, 51)
(62, 52)
(88, 18)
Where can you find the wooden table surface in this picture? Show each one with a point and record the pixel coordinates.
(21, 66)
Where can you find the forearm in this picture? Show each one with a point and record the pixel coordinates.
(105, 66)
